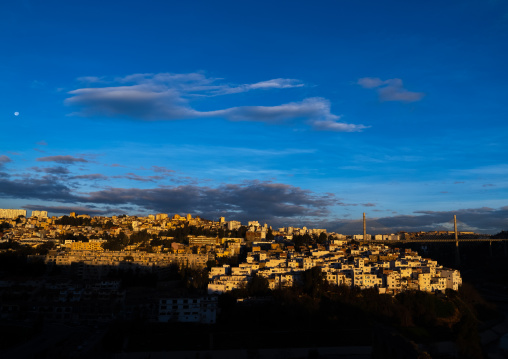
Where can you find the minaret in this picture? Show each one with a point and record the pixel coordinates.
(364, 228)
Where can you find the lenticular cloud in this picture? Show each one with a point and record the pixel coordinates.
(169, 96)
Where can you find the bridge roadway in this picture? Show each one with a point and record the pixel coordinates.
(456, 241)
(489, 240)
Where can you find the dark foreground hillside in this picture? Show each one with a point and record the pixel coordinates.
(313, 314)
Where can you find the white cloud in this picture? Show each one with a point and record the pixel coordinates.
(199, 83)
(148, 102)
(90, 79)
(270, 84)
(330, 125)
(370, 82)
(313, 108)
(390, 90)
(166, 97)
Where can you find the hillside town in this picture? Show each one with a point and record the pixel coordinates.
(81, 270)
(279, 255)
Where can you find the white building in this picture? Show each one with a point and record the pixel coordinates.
(40, 214)
(234, 225)
(12, 213)
(359, 237)
(161, 216)
(453, 279)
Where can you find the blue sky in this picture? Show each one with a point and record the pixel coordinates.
(286, 112)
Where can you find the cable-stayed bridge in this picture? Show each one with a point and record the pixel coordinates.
(442, 237)
(444, 240)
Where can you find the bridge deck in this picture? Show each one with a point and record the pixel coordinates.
(441, 240)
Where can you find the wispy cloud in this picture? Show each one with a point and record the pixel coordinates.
(162, 169)
(278, 204)
(135, 177)
(42, 143)
(198, 84)
(44, 188)
(90, 79)
(263, 85)
(57, 170)
(390, 90)
(330, 125)
(316, 109)
(266, 201)
(4, 159)
(92, 176)
(61, 159)
(169, 96)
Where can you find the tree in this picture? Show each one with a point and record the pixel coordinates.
(73, 221)
(300, 240)
(115, 243)
(122, 238)
(196, 278)
(112, 245)
(45, 247)
(4, 225)
(502, 234)
(322, 239)
(314, 281)
(139, 237)
(241, 232)
(258, 286)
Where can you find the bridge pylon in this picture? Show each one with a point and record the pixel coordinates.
(457, 253)
(364, 228)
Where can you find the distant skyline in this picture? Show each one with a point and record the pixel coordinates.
(291, 113)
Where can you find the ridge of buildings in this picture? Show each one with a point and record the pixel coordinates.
(368, 265)
(86, 292)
